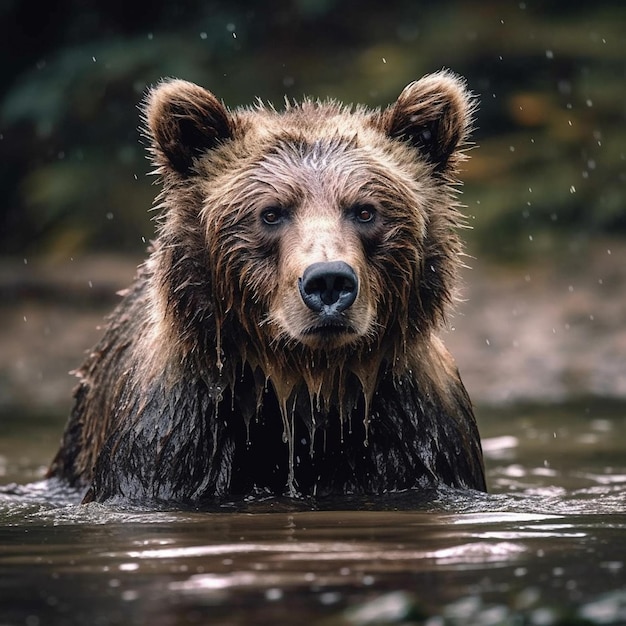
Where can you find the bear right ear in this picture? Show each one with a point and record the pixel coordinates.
(184, 121)
(434, 116)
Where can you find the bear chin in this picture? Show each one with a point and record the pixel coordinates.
(329, 336)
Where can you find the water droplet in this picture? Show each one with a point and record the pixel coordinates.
(274, 594)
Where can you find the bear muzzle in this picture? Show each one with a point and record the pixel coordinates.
(329, 289)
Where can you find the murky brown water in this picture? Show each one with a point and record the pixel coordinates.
(546, 546)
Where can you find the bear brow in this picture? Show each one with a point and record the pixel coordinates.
(314, 152)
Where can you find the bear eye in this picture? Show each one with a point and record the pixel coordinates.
(272, 216)
(364, 213)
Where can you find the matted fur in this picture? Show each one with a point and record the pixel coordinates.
(213, 343)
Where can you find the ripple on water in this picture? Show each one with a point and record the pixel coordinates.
(545, 547)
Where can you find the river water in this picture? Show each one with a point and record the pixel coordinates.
(546, 546)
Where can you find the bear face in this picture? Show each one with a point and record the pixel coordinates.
(326, 234)
(282, 334)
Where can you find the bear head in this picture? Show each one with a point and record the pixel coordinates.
(311, 244)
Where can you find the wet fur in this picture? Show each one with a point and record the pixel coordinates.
(207, 381)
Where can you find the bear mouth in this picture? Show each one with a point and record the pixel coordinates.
(329, 329)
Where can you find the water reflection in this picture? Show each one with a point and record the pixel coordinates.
(545, 547)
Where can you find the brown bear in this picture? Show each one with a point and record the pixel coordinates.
(282, 335)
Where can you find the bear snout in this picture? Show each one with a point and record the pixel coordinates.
(328, 288)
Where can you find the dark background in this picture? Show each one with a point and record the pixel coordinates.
(550, 168)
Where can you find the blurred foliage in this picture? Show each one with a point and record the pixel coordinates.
(550, 167)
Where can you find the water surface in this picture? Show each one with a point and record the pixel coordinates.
(546, 546)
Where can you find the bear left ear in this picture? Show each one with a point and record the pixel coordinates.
(434, 115)
(184, 121)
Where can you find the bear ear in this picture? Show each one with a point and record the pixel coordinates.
(434, 115)
(184, 121)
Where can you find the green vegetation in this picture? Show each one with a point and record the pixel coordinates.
(550, 167)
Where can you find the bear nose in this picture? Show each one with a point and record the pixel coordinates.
(329, 287)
